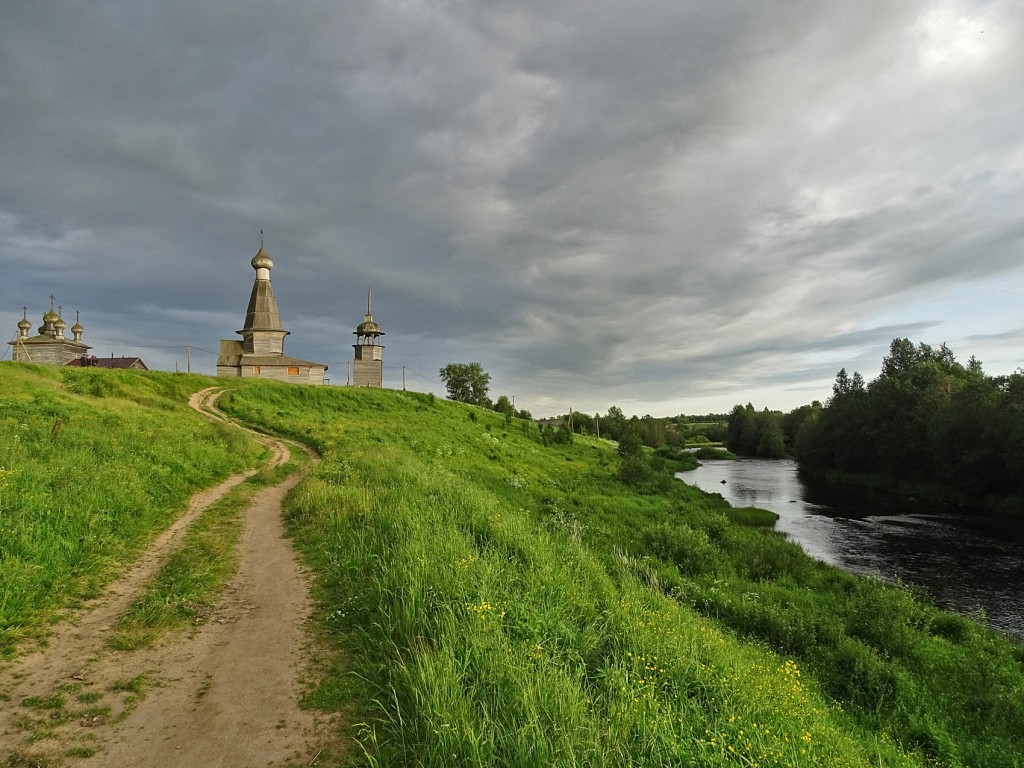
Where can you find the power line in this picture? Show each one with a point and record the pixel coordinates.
(121, 345)
(427, 378)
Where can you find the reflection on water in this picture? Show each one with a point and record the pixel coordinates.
(965, 562)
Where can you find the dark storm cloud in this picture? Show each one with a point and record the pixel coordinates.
(599, 201)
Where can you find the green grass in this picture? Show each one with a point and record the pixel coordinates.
(181, 593)
(188, 585)
(93, 464)
(709, 452)
(491, 601)
(500, 602)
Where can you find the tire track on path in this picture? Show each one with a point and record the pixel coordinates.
(228, 695)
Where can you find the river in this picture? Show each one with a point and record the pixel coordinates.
(965, 562)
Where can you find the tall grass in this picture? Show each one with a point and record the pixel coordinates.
(502, 602)
(487, 641)
(92, 464)
(507, 603)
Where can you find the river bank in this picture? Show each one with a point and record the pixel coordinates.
(910, 492)
(967, 563)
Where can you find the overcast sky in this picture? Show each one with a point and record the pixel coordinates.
(670, 206)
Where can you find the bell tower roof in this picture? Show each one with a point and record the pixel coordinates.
(368, 327)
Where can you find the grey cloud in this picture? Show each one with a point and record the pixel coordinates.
(595, 201)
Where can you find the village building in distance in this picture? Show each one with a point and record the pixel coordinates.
(368, 368)
(52, 347)
(260, 353)
(123, 363)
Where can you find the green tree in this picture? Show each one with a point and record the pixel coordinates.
(742, 434)
(634, 470)
(630, 441)
(772, 445)
(653, 431)
(504, 406)
(926, 419)
(582, 423)
(466, 383)
(613, 423)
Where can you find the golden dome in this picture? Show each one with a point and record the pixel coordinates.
(261, 260)
(368, 327)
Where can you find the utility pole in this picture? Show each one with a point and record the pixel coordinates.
(403, 378)
(188, 358)
(597, 424)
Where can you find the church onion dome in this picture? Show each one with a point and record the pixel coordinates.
(367, 327)
(261, 260)
(77, 328)
(51, 316)
(24, 324)
(59, 323)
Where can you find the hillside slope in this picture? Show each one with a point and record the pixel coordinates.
(93, 464)
(496, 601)
(501, 602)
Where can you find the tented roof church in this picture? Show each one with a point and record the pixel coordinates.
(260, 353)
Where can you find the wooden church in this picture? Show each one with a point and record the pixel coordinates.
(260, 353)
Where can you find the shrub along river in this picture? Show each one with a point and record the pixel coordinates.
(966, 562)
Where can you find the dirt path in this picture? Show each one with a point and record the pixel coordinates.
(226, 696)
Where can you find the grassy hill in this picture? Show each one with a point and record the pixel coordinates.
(92, 465)
(500, 602)
(496, 601)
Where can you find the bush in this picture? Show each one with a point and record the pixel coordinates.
(752, 517)
(634, 470)
(764, 555)
(856, 673)
(689, 549)
(713, 454)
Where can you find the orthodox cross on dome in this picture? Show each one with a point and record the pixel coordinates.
(261, 238)
(52, 299)
(76, 315)
(24, 313)
(60, 310)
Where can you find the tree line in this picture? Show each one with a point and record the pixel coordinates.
(470, 383)
(926, 420)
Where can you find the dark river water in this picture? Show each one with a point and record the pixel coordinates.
(966, 563)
